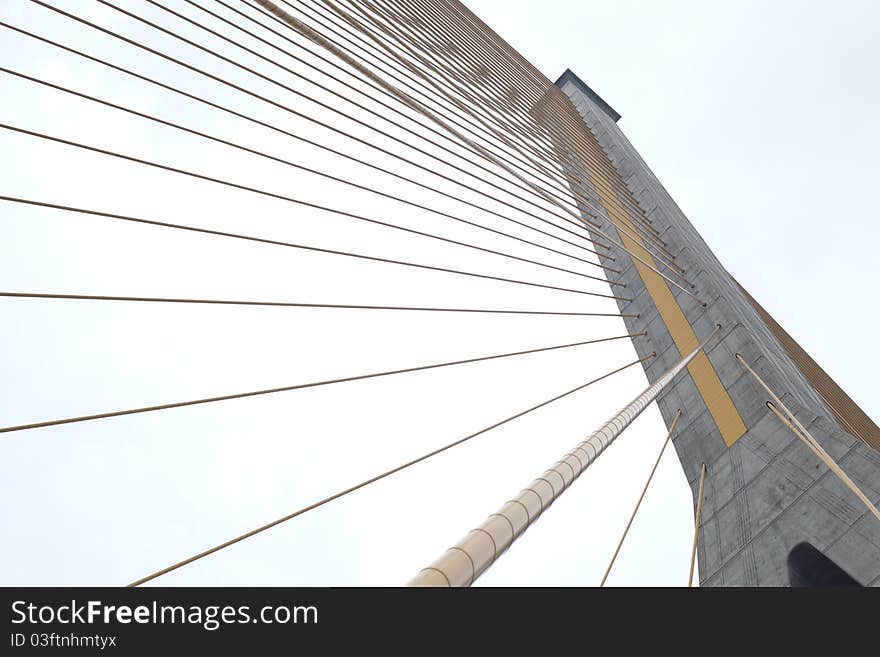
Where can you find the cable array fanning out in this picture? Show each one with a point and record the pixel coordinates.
(244, 201)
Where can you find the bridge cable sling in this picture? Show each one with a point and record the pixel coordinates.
(420, 133)
(295, 304)
(378, 477)
(319, 39)
(512, 131)
(309, 170)
(463, 563)
(507, 129)
(641, 497)
(697, 524)
(807, 438)
(301, 138)
(298, 386)
(367, 125)
(624, 418)
(547, 125)
(70, 91)
(402, 263)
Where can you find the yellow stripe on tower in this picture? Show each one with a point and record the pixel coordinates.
(721, 407)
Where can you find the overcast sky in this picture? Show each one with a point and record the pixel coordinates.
(758, 118)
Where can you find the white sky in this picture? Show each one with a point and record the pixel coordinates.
(757, 119)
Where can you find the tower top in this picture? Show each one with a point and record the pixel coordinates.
(568, 76)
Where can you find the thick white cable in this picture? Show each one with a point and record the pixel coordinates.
(461, 564)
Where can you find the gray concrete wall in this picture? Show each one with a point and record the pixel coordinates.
(767, 492)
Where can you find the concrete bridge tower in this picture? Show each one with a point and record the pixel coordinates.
(765, 491)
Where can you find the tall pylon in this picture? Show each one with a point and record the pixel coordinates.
(765, 492)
